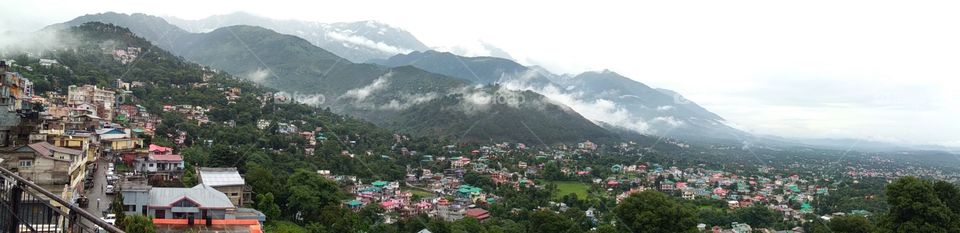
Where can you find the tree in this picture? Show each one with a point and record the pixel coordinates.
(189, 177)
(652, 211)
(714, 217)
(310, 193)
(606, 229)
(117, 208)
(916, 207)
(471, 225)
(267, 204)
(851, 224)
(139, 223)
(948, 194)
(757, 216)
(548, 221)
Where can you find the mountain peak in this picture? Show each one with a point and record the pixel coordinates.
(358, 41)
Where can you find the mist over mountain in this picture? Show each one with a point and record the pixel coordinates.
(355, 41)
(399, 97)
(476, 49)
(604, 97)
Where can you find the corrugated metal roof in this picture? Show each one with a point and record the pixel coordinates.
(166, 158)
(47, 149)
(217, 177)
(205, 196)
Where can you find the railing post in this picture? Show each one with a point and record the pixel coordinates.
(73, 222)
(16, 196)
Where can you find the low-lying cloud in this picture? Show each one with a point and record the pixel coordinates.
(367, 43)
(257, 76)
(599, 110)
(359, 94)
(35, 43)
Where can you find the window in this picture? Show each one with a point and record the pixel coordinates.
(26, 163)
(233, 194)
(129, 208)
(185, 203)
(151, 165)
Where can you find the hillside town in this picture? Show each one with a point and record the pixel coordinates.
(92, 145)
(100, 147)
(89, 147)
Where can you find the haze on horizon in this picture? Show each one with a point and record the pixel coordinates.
(815, 69)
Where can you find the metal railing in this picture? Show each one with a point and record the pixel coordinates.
(26, 207)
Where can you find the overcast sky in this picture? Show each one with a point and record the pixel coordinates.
(863, 69)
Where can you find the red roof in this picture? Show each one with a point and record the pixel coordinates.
(160, 149)
(477, 213)
(166, 157)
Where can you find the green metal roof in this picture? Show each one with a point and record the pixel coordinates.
(354, 203)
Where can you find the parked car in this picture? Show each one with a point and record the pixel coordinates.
(110, 218)
(109, 189)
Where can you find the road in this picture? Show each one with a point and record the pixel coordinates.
(99, 185)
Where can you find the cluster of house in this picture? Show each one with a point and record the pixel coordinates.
(781, 193)
(53, 146)
(57, 146)
(877, 167)
(447, 198)
(126, 55)
(195, 113)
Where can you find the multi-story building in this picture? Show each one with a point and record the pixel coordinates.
(226, 180)
(102, 100)
(16, 94)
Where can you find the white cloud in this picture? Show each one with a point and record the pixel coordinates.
(600, 110)
(668, 121)
(365, 42)
(359, 94)
(408, 100)
(35, 42)
(258, 76)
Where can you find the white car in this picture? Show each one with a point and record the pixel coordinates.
(110, 218)
(109, 190)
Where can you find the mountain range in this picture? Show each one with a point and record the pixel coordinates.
(402, 97)
(356, 41)
(430, 93)
(605, 96)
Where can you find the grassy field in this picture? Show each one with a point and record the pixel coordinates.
(566, 187)
(421, 193)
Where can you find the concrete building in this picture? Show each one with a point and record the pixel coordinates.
(179, 203)
(225, 180)
(16, 93)
(156, 163)
(103, 100)
(42, 163)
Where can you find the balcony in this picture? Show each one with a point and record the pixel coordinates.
(26, 207)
